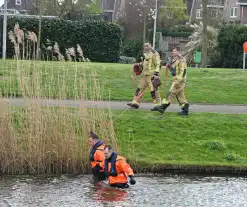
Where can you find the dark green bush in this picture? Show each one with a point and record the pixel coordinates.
(101, 41)
(133, 48)
(230, 45)
(176, 31)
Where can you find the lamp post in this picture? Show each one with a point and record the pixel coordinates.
(4, 29)
(155, 23)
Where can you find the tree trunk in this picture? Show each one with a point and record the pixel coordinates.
(204, 43)
(144, 29)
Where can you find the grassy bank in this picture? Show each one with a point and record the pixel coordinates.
(217, 86)
(200, 140)
(37, 140)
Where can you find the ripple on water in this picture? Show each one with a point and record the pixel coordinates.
(150, 191)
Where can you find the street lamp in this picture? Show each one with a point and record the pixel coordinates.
(4, 29)
(155, 22)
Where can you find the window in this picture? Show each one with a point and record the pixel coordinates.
(233, 12)
(199, 13)
(17, 2)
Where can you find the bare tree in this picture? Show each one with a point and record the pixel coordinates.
(138, 14)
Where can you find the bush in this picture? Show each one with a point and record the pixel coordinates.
(215, 145)
(101, 41)
(230, 45)
(133, 48)
(232, 157)
(176, 31)
(127, 60)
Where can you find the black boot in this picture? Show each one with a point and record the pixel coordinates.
(185, 110)
(161, 108)
(133, 105)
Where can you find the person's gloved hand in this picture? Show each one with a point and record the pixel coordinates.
(156, 73)
(111, 173)
(132, 180)
(97, 169)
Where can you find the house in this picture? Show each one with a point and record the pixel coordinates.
(236, 10)
(112, 9)
(225, 10)
(19, 6)
(216, 9)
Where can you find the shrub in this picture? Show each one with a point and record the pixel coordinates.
(215, 145)
(230, 45)
(133, 48)
(127, 60)
(232, 157)
(101, 41)
(176, 31)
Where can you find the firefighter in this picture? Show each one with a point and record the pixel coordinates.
(97, 157)
(150, 68)
(117, 169)
(178, 69)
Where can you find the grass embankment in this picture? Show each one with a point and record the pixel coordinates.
(204, 139)
(38, 140)
(216, 86)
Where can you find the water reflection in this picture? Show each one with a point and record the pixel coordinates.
(157, 191)
(102, 192)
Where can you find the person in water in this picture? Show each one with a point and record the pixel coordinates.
(97, 157)
(117, 170)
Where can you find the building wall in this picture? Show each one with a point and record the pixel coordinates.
(26, 5)
(243, 14)
(214, 11)
(196, 5)
(227, 13)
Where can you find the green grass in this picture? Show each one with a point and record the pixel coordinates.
(217, 86)
(200, 139)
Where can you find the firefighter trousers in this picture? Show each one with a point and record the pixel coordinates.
(176, 90)
(145, 83)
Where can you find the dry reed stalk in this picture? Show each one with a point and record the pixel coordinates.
(56, 50)
(80, 53)
(68, 55)
(38, 140)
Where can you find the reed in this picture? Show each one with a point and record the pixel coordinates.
(49, 140)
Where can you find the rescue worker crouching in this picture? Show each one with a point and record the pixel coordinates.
(178, 68)
(117, 169)
(150, 77)
(97, 157)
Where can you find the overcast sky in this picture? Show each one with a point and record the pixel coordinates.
(1, 2)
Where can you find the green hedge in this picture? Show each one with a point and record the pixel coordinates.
(230, 46)
(176, 31)
(101, 41)
(133, 48)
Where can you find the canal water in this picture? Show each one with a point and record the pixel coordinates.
(150, 191)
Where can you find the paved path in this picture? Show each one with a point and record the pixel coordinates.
(196, 108)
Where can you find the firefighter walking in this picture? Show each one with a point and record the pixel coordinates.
(150, 69)
(178, 70)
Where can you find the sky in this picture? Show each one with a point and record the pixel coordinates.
(1, 2)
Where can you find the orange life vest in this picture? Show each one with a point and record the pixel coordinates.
(97, 155)
(117, 169)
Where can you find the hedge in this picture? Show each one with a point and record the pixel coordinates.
(133, 48)
(230, 46)
(175, 31)
(101, 41)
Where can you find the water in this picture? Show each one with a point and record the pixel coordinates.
(150, 191)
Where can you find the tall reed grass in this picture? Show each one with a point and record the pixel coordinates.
(48, 140)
